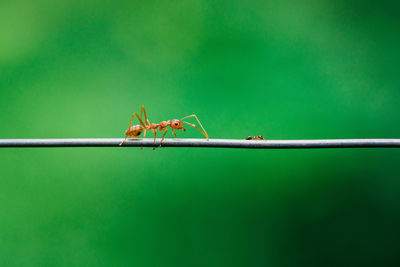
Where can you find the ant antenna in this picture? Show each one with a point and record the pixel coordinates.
(203, 132)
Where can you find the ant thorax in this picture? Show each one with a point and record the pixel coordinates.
(164, 124)
(153, 126)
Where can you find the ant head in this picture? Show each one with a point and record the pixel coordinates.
(176, 124)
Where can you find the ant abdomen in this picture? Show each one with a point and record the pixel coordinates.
(134, 131)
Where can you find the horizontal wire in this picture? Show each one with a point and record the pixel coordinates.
(221, 143)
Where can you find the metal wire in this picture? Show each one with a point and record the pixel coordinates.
(222, 143)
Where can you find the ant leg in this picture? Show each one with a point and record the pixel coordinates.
(123, 141)
(174, 133)
(143, 138)
(146, 121)
(203, 132)
(133, 116)
(162, 139)
(155, 135)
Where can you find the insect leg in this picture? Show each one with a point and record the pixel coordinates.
(174, 133)
(133, 116)
(155, 135)
(143, 137)
(162, 139)
(146, 121)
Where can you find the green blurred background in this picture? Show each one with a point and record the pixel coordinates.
(281, 69)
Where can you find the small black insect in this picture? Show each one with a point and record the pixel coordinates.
(257, 137)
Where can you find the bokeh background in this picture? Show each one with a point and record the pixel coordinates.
(281, 69)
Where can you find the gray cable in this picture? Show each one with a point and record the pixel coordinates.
(226, 143)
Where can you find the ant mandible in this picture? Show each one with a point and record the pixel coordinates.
(136, 130)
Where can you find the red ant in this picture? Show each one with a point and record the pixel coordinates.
(137, 130)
